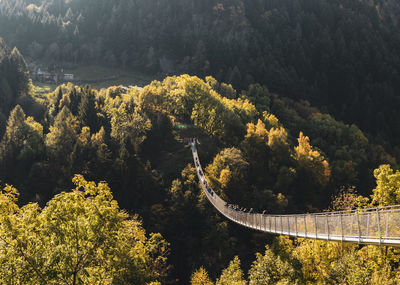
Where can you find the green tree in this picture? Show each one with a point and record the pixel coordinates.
(233, 275)
(21, 145)
(103, 152)
(83, 156)
(13, 137)
(19, 77)
(129, 127)
(63, 134)
(271, 269)
(313, 170)
(87, 113)
(228, 174)
(387, 191)
(58, 99)
(80, 237)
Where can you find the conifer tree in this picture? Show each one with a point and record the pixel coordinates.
(62, 136)
(233, 275)
(20, 81)
(200, 277)
(87, 113)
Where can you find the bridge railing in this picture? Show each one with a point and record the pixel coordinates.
(365, 226)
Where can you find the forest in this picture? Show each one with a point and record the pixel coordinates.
(340, 55)
(294, 104)
(129, 138)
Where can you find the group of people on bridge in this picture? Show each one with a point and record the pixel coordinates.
(238, 208)
(189, 140)
(243, 209)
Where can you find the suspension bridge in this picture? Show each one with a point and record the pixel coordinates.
(376, 226)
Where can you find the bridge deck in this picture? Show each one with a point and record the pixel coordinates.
(378, 226)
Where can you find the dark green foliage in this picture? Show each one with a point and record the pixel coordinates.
(342, 55)
(351, 154)
(21, 146)
(14, 78)
(19, 74)
(87, 113)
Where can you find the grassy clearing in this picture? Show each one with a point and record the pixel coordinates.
(105, 76)
(125, 81)
(97, 77)
(40, 89)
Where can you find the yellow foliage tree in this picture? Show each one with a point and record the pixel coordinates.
(387, 191)
(80, 237)
(312, 160)
(200, 277)
(233, 275)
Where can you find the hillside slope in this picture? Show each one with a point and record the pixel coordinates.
(342, 55)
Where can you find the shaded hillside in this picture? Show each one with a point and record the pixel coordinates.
(342, 55)
(14, 80)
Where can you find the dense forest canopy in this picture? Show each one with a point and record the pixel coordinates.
(341, 55)
(259, 149)
(294, 102)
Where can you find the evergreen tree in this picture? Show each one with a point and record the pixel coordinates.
(13, 139)
(233, 275)
(200, 277)
(87, 113)
(62, 137)
(20, 81)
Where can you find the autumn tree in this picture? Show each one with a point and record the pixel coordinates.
(233, 274)
(387, 191)
(313, 169)
(271, 269)
(129, 127)
(80, 237)
(200, 277)
(228, 174)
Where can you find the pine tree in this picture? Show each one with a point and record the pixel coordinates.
(12, 140)
(20, 81)
(58, 100)
(14, 124)
(233, 275)
(87, 114)
(200, 277)
(62, 136)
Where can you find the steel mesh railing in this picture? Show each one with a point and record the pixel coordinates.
(379, 226)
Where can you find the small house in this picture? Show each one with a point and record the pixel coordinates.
(68, 76)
